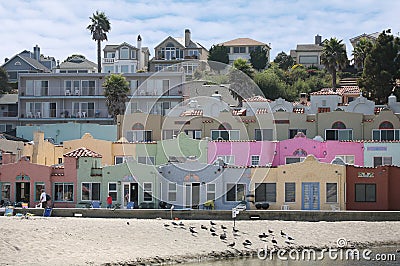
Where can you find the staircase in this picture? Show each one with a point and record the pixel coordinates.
(348, 82)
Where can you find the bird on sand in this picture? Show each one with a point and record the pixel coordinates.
(174, 224)
(274, 241)
(222, 236)
(290, 238)
(212, 223)
(231, 244)
(181, 224)
(223, 227)
(166, 225)
(212, 229)
(263, 236)
(203, 227)
(235, 230)
(270, 231)
(192, 230)
(214, 234)
(127, 223)
(283, 234)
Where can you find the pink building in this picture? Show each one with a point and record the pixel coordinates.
(22, 182)
(296, 149)
(243, 153)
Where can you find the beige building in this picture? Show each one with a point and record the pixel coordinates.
(309, 185)
(242, 47)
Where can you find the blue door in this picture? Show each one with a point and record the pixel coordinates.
(310, 196)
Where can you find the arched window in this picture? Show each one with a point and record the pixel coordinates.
(225, 126)
(386, 125)
(338, 125)
(138, 126)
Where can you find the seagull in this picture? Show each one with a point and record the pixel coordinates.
(235, 230)
(223, 236)
(231, 244)
(288, 242)
(283, 234)
(166, 225)
(270, 231)
(212, 229)
(212, 223)
(274, 241)
(127, 223)
(290, 238)
(263, 235)
(192, 230)
(203, 227)
(248, 241)
(175, 224)
(181, 224)
(223, 227)
(213, 234)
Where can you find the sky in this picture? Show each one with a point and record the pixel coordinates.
(59, 27)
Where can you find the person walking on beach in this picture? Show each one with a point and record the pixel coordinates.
(42, 199)
(109, 202)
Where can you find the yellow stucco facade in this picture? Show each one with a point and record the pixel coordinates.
(322, 176)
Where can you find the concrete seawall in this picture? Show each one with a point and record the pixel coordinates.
(311, 216)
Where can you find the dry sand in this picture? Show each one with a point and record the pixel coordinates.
(95, 241)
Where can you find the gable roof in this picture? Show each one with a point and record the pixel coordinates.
(77, 63)
(243, 42)
(309, 47)
(83, 152)
(30, 61)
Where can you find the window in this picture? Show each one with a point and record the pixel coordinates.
(210, 191)
(289, 160)
(146, 160)
(41, 109)
(225, 135)
(124, 53)
(64, 192)
(5, 191)
(37, 87)
(5, 127)
(194, 134)
(338, 134)
(331, 192)
(59, 160)
(324, 103)
(122, 159)
(263, 134)
(88, 87)
(90, 191)
(265, 192)
(365, 192)
(385, 134)
(235, 192)
(193, 53)
(308, 59)
(228, 159)
(110, 55)
(255, 160)
(72, 87)
(139, 135)
(290, 192)
(112, 191)
(382, 160)
(293, 132)
(171, 192)
(124, 69)
(170, 133)
(147, 191)
(338, 125)
(239, 50)
(83, 109)
(38, 190)
(133, 54)
(347, 159)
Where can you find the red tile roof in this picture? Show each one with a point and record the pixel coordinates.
(261, 111)
(83, 152)
(325, 91)
(256, 99)
(348, 90)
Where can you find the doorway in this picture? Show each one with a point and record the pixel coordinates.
(310, 196)
(192, 195)
(131, 194)
(23, 192)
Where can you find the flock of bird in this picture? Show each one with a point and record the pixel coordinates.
(215, 232)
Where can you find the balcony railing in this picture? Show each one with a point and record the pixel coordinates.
(109, 60)
(9, 114)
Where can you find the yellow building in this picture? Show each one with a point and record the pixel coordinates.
(309, 185)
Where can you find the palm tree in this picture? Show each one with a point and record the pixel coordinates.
(361, 51)
(334, 57)
(116, 89)
(99, 27)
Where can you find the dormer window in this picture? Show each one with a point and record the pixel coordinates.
(124, 53)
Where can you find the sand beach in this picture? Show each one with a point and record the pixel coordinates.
(97, 241)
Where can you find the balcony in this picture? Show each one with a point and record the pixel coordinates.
(109, 60)
(9, 114)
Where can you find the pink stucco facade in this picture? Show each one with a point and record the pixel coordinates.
(242, 151)
(324, 151)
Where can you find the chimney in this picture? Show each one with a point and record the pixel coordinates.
(187, 37)
(8, 157)
(318, 39)
(36, 52)
(6, 60)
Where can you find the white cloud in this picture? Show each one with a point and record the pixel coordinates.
(59, 27)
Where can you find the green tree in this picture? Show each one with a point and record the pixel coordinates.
(334, 57)
(270, 84)
(258, 58)
(240, 79)
(4, 86)
(381, 67)
(116, 90)
(284, 61)
(361, 51)
(218, 57)
(99, 27)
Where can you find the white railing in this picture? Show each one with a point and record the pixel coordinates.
(109, 60)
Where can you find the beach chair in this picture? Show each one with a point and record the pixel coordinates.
(47, 212)
(96, 204)
(130, 205)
